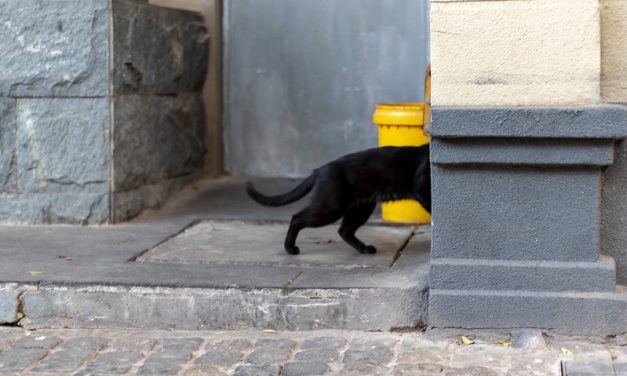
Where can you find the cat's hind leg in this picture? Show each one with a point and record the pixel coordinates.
(353, 219)
(308, 217)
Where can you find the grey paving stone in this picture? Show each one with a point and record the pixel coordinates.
(270, 351)
(204, 370)
(304, 369)
(412, 369)
(375, 352)
(320, 349)
(470, 371)
(620, 369)
(589, 368)
(257, 370)
(112, 363)
(72, 355)
(168, 356)
(37, 342)
(17, 359)
(224, 353)
(361, 369)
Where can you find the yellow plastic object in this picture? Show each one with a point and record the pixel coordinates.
(402, 124)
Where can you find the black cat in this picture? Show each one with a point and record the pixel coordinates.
(351, 186)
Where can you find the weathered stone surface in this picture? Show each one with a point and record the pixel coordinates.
(319, 350)
(8, 157)
(156, 138)
(34, 208)
(197, 309)
(54, 48)
(63, 145)
(158, 50)
(8, 303)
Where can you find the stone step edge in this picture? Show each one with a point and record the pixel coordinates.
(451, 274)
(571, 313)
(185, 308)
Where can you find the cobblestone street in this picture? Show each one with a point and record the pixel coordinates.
(130, 352)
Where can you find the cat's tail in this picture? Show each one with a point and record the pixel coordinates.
(287, 198)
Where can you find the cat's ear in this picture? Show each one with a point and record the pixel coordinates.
(422, 185)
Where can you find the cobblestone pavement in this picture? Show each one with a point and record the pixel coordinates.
(134, 352)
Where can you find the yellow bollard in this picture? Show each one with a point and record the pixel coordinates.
(402, 124)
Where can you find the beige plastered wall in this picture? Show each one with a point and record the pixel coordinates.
(515, 52)
(212, 10)
(614, 50)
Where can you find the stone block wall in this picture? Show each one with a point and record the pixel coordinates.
(101, 111)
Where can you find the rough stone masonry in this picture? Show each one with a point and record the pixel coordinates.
(101, 114)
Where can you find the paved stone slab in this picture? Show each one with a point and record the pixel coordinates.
(375, 352)
(304, 369)
(54, 48)
(112, 363)
(270, 351)
(213, 242)
(225, 352)
(433, 354)
(72, 355)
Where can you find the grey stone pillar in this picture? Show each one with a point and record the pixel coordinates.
(101, 113)
(516, 219)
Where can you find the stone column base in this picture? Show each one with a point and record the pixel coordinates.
(516, 219)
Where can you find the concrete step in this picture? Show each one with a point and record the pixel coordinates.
(454, 274)
(583, 313)
(187, 267)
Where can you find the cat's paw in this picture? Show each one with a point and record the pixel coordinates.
(293, 250)
(370, 250)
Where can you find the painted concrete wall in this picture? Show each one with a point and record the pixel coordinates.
(302, 78)
(212, 10)
(503, 52)
(614, 50)
(614, 89)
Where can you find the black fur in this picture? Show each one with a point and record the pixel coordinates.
(350, 187)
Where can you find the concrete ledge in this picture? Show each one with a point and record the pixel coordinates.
(602, 121)
(222, 309)
(523, 275)
(525, 152)
(566, 313)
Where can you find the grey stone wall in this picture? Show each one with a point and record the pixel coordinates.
(75, 135)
